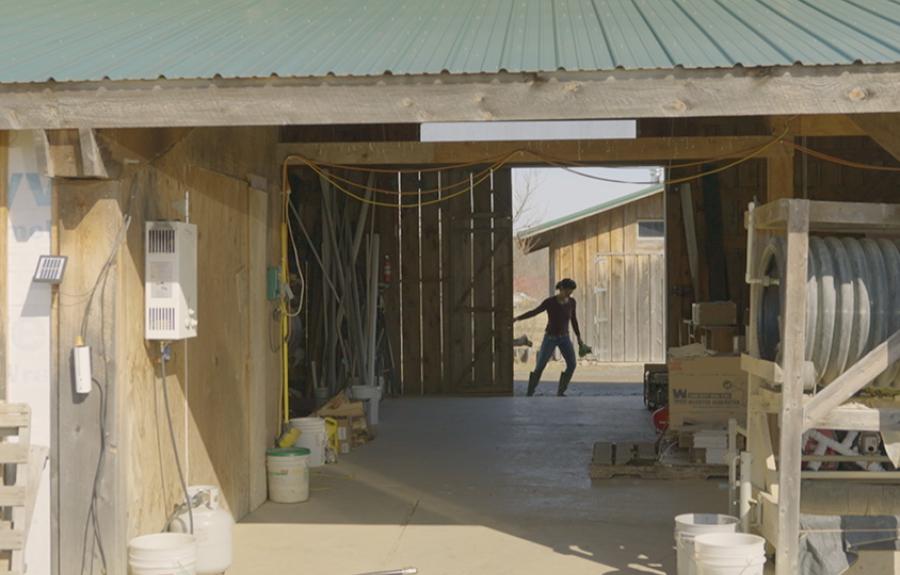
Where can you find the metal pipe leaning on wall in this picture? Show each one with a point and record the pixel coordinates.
(853, 303)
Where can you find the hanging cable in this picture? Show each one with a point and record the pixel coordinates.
(164, 352)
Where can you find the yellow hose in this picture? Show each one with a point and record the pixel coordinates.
(285, 411)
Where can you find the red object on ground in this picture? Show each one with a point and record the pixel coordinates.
(660, 419)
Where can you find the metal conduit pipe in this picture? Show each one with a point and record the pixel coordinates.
(853, 303)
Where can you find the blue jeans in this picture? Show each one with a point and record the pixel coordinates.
(550, 343)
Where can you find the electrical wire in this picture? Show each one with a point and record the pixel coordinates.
(93, 518)
(286, 304)
(163, 348)
(502, 160)
(840, 161)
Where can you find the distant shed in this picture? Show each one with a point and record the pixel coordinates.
(615, 251)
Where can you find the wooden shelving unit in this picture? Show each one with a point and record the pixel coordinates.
(779, 410)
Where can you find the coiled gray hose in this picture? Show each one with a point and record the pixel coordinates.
(853, 303)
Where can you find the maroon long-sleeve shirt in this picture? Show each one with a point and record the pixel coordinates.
(558, 316)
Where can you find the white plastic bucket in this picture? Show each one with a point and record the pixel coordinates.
(312, 437)
(729, 554)
(288, 475)
(163, 554)
(213, 529)
(690, 525)
(371, 395)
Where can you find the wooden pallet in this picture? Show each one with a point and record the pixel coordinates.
(18, 491)
(656, 470)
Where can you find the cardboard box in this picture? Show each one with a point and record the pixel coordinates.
(714, 313)
(706, 390)
(719, 338)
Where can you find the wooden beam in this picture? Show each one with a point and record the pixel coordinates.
(92, 164)
(617, 94)
(857, 417)
(794, 342)
(527, 153)
(816, 125)
(854, 379)
(883, 128)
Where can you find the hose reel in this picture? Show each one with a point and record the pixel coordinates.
(853, 303)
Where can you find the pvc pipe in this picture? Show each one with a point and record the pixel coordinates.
(732, 465)
(746, 490)
(374, 257)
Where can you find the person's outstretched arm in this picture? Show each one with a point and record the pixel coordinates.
(575, 327)
(532, 313)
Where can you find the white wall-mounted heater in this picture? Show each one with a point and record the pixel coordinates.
(170, 281)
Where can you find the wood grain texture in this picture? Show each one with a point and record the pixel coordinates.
(432, 355)
(626, 94)
(630, 311)
(4, 222)
(459, 279)
(483, 282)
(503, 281)
(410, 281)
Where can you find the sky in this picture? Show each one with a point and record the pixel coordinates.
(557, 192)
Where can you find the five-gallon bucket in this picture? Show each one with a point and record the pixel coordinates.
(163, 554)
(729, 554)
(312, 437)
(287, 473)
(689, 526)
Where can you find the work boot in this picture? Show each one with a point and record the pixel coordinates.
(533, 380)
(564, 379)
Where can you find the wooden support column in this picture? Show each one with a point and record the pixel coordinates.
(794, 345)
(4, 219)
(780, 173)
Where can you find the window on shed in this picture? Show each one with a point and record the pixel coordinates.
(651, 229)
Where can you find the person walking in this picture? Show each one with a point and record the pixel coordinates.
(560, 312)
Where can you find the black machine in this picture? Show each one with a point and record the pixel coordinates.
(656, 385)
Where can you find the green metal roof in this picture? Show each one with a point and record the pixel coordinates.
(83, 40)
(586, 213)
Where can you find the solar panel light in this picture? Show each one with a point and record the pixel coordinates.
(50, 269)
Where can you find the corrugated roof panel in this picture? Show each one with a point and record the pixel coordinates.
(144, 39)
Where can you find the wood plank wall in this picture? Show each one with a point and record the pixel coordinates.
(448, 310)
(813, 178)
(621, 294)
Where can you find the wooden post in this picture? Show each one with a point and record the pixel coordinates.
(794, 345)
(780, 173)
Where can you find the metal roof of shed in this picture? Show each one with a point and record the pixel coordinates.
(538, 234)
(87, 40)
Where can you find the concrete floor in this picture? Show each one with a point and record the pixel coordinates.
(482, 485)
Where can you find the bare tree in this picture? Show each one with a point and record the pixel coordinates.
(528, 267)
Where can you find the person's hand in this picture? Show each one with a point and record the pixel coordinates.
(515, 319)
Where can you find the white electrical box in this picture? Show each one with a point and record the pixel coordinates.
(170, 281)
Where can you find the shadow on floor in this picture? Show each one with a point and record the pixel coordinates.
(473, 485)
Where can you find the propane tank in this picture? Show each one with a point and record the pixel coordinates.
(213, 528)
(388, 272)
